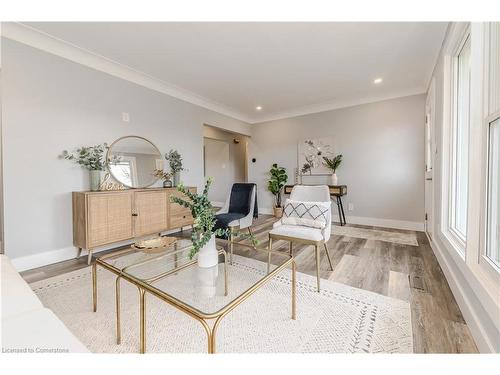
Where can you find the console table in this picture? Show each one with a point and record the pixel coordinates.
(336, 191)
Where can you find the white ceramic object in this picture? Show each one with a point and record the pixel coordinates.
(208, 255)
(333, 179)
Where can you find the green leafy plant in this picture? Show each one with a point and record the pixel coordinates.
(175, 161)
(333, 163)
(203, 214)
(277, 182)
(91, 157)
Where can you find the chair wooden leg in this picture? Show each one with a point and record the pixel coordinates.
(328, 256)
(290, 249)
(316, 250)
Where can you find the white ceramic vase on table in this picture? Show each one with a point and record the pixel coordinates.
(208, 255)
(333, 179)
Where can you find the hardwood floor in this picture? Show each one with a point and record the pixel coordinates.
(411, 273)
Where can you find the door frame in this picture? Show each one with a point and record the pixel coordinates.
(430, 126)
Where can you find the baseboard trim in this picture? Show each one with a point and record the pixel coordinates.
(386, 223)
(484, 342)
(55, 256)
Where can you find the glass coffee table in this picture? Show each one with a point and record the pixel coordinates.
(205, 294)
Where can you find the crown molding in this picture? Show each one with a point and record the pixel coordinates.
(330, 106)
(35, 38)
(38, 39)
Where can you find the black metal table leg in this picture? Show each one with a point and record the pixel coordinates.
(341, 206)
(338, 208)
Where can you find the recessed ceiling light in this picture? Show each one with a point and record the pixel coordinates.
(258, 108)
(377, 80)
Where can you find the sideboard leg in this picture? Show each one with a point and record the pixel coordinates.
(79, 253)
(89, 259)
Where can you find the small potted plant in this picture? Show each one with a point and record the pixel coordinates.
(165, 176)
(91, 158)
(175, 161)
(203, 234)
(275, 185)
(333, 164)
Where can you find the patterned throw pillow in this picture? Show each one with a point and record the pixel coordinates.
(309, 214)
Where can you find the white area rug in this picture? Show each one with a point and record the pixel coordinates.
(339, 319)
(375, 234)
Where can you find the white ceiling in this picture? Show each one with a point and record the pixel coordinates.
(287, 68)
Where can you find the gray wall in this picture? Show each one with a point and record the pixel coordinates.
(235, 170)
(50, 104)
(383, 148)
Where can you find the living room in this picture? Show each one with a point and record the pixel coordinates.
(250, 187)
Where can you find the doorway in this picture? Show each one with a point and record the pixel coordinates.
(430, 152)
(224, 160)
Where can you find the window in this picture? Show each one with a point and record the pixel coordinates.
(460, 141)
(493, 209)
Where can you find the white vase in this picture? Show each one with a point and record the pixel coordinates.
(208, 255)
(333, 179)
(207, 281)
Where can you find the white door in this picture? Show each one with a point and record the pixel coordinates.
(430, 151)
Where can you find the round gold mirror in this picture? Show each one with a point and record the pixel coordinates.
(133, 160)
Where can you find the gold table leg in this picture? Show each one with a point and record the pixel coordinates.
(231, 238)
(94, 287)
(270, 247)
(316, 250)
(118, 322)
(142, 295)
(294, 290)
(225, 274)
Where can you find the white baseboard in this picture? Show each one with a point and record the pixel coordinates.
(386, 223)
(217, 204)
(372, 221)
(484, 338)
(54, 256)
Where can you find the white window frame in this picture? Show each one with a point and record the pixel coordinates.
(447, 233)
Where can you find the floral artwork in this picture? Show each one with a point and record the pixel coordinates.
(311, 153)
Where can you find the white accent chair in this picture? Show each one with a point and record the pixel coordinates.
(241, 223)
(303, 234)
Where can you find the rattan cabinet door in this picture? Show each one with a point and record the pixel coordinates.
(151, 210)
(180, 216)
(110, 218)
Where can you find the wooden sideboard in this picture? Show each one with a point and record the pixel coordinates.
(102, 218)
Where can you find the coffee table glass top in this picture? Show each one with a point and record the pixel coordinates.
(172, 271)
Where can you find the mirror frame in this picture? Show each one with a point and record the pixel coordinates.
(108, 154)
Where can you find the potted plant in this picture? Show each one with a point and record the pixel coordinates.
(275, 185)
(333, 164)
(203, 234)
(91, 158)
(165, 176)
(175, 161)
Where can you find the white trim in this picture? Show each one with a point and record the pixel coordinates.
(330, 106)
(45, 258)
(38, 39)
(468, 303)
(386, 223)
(372, 221)
(217, 204)
(48, 43)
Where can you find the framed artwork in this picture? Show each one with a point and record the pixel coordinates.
(310, 156)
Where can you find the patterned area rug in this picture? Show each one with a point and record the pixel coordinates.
(375, 234)
(340, 319)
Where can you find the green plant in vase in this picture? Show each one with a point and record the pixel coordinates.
(275, 185)
(333, 165)
(91, 158)
(175, 161)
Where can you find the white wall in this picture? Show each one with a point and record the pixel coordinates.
(225, 161)
(383, 165)
(50, 104)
